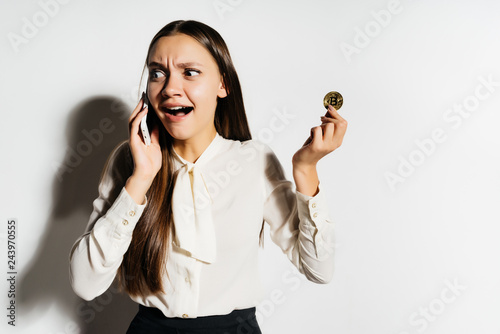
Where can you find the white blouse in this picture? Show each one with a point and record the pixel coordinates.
(213, 261)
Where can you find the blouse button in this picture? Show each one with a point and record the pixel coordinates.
(125, 222)
(185, 315)
(315, 215)
(131, 213)
(314, 205)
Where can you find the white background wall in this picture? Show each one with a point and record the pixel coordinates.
(399, 247)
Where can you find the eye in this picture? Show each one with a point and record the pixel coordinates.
(155, 74)
(189, 72)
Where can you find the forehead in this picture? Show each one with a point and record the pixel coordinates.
(180, 48)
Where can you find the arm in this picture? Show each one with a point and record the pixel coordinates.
(97, 254)
(299, 224)
(131, 168)
(302, 228)
(306, 180)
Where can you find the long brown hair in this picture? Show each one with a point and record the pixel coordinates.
(143, 264)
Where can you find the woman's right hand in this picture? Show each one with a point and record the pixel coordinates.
(147, 159)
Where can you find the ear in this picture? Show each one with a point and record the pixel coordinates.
(222, 92)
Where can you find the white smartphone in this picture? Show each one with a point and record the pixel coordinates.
(144, 126)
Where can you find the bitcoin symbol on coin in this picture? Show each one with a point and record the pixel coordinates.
(333, 98)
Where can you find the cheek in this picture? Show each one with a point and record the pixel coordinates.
(206, 92)
(197, 94)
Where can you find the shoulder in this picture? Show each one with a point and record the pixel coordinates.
(251, 149)
(252, 153)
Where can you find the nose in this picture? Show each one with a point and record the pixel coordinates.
(172, 87)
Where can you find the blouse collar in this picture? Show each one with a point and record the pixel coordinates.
(206, 156)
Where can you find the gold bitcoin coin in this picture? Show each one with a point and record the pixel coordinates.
(333, 98)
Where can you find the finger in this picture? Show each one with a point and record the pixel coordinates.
(135, 123)
(339, 132)
(317, 136)
(339, 121)
(328, 113)
(325, 119)
(332, 113)
(329, 120)
(328, 130)
(140, 106)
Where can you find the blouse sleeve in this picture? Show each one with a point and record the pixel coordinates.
(98, 253)
(299, 224)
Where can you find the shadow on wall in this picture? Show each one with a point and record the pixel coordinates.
(94, 128)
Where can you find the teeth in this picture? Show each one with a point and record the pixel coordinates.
(179, 110)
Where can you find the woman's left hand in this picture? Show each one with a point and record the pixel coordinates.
(323, 140)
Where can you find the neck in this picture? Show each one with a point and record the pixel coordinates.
(191, 149)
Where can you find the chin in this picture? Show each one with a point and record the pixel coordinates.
(179, 134)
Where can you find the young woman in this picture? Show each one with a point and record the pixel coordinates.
(178, 222)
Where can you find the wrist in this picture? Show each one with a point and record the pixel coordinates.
(141, 178)
(304, 169)
(306, 179)
(137, 187)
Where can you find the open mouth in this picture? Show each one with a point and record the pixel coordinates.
(179, 111)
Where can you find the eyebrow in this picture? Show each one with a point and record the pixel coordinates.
(181, 65)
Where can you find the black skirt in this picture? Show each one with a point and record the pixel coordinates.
(150, 320)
